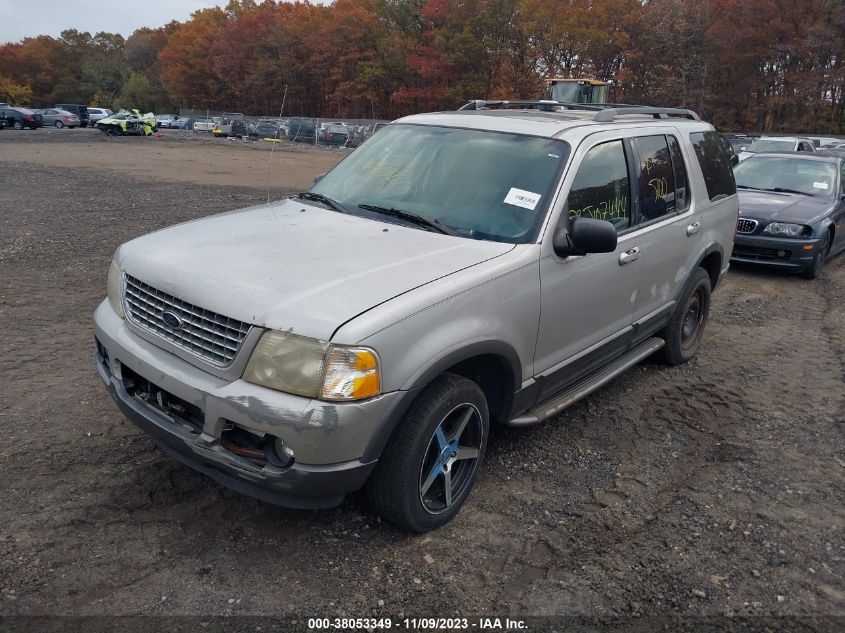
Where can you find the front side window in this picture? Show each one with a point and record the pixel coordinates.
(601, 189)
(477, 184)
(715, 164)
(787, 174)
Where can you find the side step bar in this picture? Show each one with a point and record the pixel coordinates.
(587, 385)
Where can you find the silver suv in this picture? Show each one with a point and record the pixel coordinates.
(458, 269)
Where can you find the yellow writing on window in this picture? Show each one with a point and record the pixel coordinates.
(606, 210)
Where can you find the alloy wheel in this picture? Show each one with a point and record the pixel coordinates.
(451, 458)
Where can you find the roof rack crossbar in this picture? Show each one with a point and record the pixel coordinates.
(605, 112)
(609, 115)
(482, 104)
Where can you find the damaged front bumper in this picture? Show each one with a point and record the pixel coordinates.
(329, 441)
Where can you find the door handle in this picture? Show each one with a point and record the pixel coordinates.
(630, 255)
(694, 228)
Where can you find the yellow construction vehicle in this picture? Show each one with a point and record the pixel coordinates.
(577, 90)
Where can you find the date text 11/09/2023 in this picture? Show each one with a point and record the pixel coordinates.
(417, 624)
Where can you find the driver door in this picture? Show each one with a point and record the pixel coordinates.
(587, 302)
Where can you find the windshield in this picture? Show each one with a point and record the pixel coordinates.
(770, 145)
(810, 177)
(482, 185)
(570, 92)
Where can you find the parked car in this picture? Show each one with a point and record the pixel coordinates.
(20, 118)
(777, 144)
(443, 277)
(336, 135)
(739, 142)
(789, 208)
(128, 123)
(302, 131)
(79, 110)
(95, 114)
(58, 118)
(230, 124)
(205, 124)
(821, 141)
(267, 129)
(164, 120)
(183, 123)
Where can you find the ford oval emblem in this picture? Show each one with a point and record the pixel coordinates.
(171, 320)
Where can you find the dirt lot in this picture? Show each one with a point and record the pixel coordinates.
(710, 489)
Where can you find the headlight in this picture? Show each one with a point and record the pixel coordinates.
(313, 369)
(785, 230)
(115, 289)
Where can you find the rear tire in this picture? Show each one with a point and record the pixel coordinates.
(431, 462)
(684, 332)
(814, 270)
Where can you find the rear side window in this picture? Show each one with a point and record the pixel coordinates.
(656, 177)
(715, 164)
(602, 189)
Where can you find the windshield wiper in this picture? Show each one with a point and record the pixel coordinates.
(318, 197)
(784, 190)
(410, 216)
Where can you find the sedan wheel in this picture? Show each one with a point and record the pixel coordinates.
(18, 124)
(814, 270)
(59, 124)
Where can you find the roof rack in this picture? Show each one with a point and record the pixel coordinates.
(544, 105)
(604, 112)
(608, 115)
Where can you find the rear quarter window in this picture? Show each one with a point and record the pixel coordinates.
(715, 164)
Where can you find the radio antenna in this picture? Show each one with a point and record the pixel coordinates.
(275, 141)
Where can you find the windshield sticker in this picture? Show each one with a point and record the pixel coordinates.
(820, 185)
(521, 198)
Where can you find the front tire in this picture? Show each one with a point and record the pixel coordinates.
(59, 125)
(814, 270)
(18, 125)
(684, 332)
(431, 463)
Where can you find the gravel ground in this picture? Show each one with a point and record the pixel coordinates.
(712, 489)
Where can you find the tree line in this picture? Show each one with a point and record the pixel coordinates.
(764, 65)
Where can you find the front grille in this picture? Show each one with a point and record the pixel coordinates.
(745, 226)
(206, 334)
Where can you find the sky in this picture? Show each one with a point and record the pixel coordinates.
(27, 18)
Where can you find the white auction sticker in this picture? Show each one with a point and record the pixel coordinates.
(521, 198)
(820, 185)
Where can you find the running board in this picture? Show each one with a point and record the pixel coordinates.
(586, 386)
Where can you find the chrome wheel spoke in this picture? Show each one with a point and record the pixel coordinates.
(462, 423)
(466, 452)
(426, 485)
(441, 438)
(447, 485)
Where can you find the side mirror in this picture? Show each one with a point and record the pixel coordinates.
(585, 235)
(734, 160)
(318, 178)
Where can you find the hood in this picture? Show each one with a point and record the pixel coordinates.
(293, 266)
(781, 207)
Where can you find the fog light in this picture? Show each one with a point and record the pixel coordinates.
(284, 453)
(781, 253)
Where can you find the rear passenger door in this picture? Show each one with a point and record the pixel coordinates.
(666, 223)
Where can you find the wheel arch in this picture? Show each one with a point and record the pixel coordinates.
(711, 261)
(493, 365)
